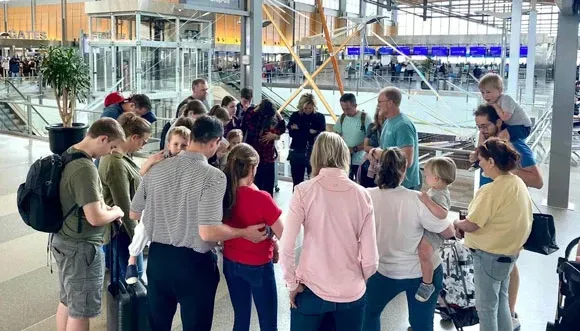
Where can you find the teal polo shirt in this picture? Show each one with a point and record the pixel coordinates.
(400, 132)
(353, 131)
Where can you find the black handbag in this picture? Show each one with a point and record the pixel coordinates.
(542, 239)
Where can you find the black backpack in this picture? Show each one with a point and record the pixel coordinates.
(38, 198)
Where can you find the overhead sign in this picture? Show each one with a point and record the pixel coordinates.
(353, 51)
(495, 51)
(405, 50)
(477, 51)
(370, 51)
(439, 51)
(35, 35)
(218, 4)
(458, 51)
(524, 51)
(420, 50)
(385, 51)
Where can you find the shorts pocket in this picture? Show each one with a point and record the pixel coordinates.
(91, 254)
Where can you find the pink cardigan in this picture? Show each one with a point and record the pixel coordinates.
(339, 251)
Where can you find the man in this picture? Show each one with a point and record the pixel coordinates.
(352, 126)
(199, 91)
(116, 104)
(77, 246)
(246, 96)
(489, 125)
(399, 131)
(183, 197)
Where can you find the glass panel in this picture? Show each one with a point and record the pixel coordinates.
(158, 69)
(127, 60)
(103, 67)
(101, 28)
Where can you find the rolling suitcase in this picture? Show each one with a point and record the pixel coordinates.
(126, 304)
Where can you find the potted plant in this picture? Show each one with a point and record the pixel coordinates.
(426, 67)
(66, 72)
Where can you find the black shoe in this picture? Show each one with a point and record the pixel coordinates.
(132, 276)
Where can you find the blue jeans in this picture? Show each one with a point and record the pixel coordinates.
(381, 290)
(122, 255)
(492, 278)
(258, 282)
(312, 310)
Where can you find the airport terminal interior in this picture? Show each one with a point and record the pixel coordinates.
(434, 51)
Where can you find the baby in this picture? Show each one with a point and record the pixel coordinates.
(178, 138)
(517, 122)
(439, 173)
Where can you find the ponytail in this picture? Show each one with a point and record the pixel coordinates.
(392, 169)
(241, 161)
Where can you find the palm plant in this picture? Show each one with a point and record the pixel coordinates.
(68, 74)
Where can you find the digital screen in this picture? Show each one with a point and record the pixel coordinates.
(405, 50)
(477, 51)
(420, 50)
(370, 51)
(385, 51)
(458, 51)
(439, 51)
(353, 51)
(495, 51)
(524, 51)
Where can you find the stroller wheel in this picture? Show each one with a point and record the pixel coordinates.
(551, 327)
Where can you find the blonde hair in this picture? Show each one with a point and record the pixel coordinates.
(392, 93)
(306, 99)
(181, 131)
(329, 151)
(491, 80)
(235, 133)
(442, 167)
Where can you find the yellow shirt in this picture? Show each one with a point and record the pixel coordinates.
(503, 211)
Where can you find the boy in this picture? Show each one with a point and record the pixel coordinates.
(517, 123)
(439, 173)
(77, 246)
(179, 138)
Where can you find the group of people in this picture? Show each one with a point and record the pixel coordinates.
(212, 185)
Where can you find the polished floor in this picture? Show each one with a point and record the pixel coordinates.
(29, 291)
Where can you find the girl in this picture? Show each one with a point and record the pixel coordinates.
(248, 267)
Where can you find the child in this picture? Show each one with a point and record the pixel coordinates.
(234, 138)
(439, 173)
(178, 138)
(248, 267)
(517, 123)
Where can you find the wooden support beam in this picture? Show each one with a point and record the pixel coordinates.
(330, 47)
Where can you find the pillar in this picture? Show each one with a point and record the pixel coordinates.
(515, 34)
(531, 59)
(63, 17)
(138, 54)
(564, 96)
(33, 15)
(255, 49)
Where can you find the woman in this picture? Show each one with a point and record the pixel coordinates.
(120, 178)
(304, 126)
(230, 104)
(248, 267)
(262, 126)
(401, 219)
(339, 251)
(498, 223)
(368, 169)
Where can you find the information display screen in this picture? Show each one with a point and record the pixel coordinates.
(495, 51)
(458, 51)
(405, 50)
(370, 51)
(477, 51)
(420, 50)
(353, 51)
(439, 51)
(524, 51)
(385, 51)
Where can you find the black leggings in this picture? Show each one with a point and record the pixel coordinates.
(297, 169)
(265, 177)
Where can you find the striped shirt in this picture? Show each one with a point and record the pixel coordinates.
(178, 194)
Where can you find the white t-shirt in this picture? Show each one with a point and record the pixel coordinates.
(400, 220)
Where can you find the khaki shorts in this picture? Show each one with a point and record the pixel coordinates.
(81, 274)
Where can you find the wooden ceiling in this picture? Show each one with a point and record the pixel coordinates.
(421, 2)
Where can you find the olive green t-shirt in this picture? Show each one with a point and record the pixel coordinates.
(120, 178)
(80, 185)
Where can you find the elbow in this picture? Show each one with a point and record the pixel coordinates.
(205, 234)
(539, 183)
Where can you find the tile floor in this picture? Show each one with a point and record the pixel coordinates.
(29, 291)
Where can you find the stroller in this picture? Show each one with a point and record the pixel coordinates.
(456, 302)
(568, 309)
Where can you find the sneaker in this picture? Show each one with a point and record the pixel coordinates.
(424, 292)
(516, 322)
(132, 276)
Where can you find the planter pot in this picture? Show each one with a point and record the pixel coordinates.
(60, 138)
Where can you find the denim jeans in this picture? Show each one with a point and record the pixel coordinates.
(122, 255)
(492, 278)
(258, 282)
(381, 290)
(312, 310)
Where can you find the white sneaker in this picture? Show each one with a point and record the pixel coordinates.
(516, 323)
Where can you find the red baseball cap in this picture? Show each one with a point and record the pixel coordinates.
(114, 98)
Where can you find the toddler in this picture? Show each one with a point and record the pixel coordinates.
(517, 123)
(234, 138)
(439, 173)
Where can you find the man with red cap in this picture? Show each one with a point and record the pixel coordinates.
(116, 104)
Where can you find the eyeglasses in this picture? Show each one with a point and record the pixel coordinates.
(382, 101)
(483, 127)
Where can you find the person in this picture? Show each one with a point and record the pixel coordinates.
(401, 219)
(230, 104)
(339, 250)
(248, 267)
(498, 223)
(352, 127)
(262, 126)
(303, 126)
(199, 91)
(181, 200)
(194, 109)
(116, 104)
(246, 96)
(234, 138)
(370, 166)
(179, 138)
(120, 178)
(477, 72)
(77, 246)
(518, 123)
(399, 131)
(439, 174)
(489, 125)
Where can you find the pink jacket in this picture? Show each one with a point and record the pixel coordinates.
(339, 250)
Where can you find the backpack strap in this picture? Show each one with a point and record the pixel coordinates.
(342, 117)
(67, 158)
(363, 119)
